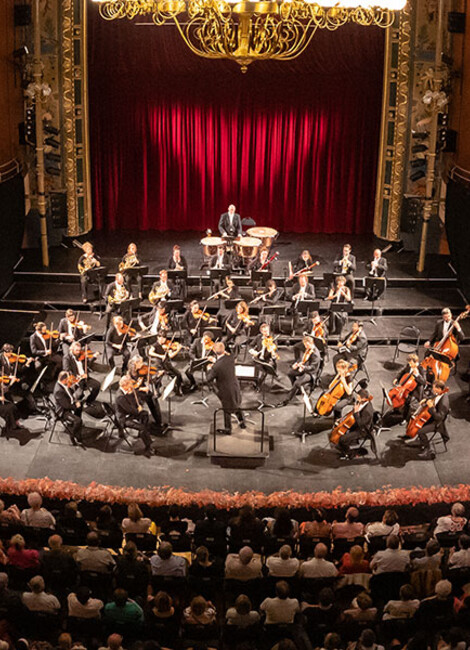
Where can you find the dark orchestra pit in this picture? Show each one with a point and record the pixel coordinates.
(300, 454)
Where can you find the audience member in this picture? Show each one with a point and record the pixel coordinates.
(392, 559)
(122, 610)
(406, 607)
(37, 600)
(105, 520)
(80, 604)
(72, 520)
(431, 559)
(317, 527)
(94, 558)
(349, 528)
(282, 525)
(135, 522)
(132, 565)
(10, 515)
(280, 609)
(242, 613)
(114, 642)
(362, 609)
(318, 566)
(199, 612)
(282, 564)
(321, 616)
(21, 557)
(246, 525)
(174, 523)
(164, 563)
(10, 601)
(388, 526)
(36, 515)
(244, 565)
(203, 566)
(354, 562)
(453, 523)
(461, 559)
(57, 563)
(367, 641)
(436, 612)
(210, 528)
(162, 608)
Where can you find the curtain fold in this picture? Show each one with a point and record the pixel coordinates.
(175, 138)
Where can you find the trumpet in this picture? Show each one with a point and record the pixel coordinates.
(128, 262)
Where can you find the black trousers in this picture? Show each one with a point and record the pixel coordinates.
(140, 424)
(228, 417)
(339, 406)
(129, 278)
(349, 438)
(429, 429)
(112, 353)
(87, 384)
(74, 422)
(54, 363)
(297, 379)
(9, 413)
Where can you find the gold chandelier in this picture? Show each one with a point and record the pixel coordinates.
(249, 30)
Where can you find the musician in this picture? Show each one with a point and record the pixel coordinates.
(154, 321)
(227, 387)
(71, 329)
(438, 407)
(9, 412)
(145, 385)
(261, 261)
(43, 348)
(231, 291)
(230, 223)
(21, 377)
(86, 262)
(378, 266)
(302, 263)
(115, 294)
(306, 366)
(238, 321)
(177, 262)
(302, 290)
(354, 346)
(74, 363)
(339, 293)
(162, 351)
(442, 327)
(346, 265)
(130, 413)
(69, 408)
(362, 428)
(264, 349)
(345, 376)
(221, 260)
(130, 261)
(412, 368)
(195, 320)
(317, 327)
(116, 343)
(201, 352)
(162, 289)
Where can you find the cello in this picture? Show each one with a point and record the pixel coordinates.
(421, 416)
(398, 394)
(335, 391)
(441, 357)
(346, 422)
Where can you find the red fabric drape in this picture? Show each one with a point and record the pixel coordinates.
(175, 138)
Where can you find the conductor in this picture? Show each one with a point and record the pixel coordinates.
(230, 223)
(227, 387)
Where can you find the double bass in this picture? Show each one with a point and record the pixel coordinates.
(335, 391)
(421, 416)
(346, 423)
(441, 357)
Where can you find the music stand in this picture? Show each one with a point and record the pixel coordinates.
(261, 276)
(375, 287)
(232, 303)
(128, 305)
(97, 276)
(303, 433)
(174, 274)
(270, 371)
(167, 397)
(174, 305)
(107, 381)
(134, 271)
(346, 307)
(87, 338)
(201, 364)
(276, 311)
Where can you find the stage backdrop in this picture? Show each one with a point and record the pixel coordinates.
(175, 138)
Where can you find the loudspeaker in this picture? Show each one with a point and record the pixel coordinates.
(22, 15)
(456, 22)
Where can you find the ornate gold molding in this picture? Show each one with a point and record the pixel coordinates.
(394, 130)
(74, 80)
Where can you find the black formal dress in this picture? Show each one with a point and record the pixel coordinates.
(362, 428)
(128, 415)
(227, 388)
(113, 337)
(309, 373)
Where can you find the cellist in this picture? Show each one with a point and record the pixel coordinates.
(437, 407)
(412, 371)
(362, 422)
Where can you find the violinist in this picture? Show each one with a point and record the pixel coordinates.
(354, 346)
(77, 364)
(145, 386)
(69, 408)
(18, 368)
(201, 353)
(155, 321)
(71, 329)
(117, 338)
(437, 407)
(414, 372)
(345, 264)
(87, 262)
(338, 294)
(162, 289)
(43, 344)
(115, 295)
(305, 368)
(317, 328)
(238, 322)
(163, 351)
(361, 427)
(130, 413)
(131, 261)
(264, 350)
(195, 320)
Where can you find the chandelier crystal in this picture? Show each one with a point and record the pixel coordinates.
(249, 30)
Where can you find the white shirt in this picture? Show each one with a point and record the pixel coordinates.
(390, 560)
(90, 610)
(282, 568)
(318, 568)
(460, 559)
(155, 324)
(40, 602)
(280, 610)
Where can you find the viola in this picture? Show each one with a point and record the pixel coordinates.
(345, 424)
(72, 380)
(399, 393)
(50, 334)
(421, 416)
(335, 391)
(270, 346)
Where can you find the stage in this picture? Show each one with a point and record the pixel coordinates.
(181, 457)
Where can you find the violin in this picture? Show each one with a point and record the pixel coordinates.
(7, 380)
(126, 329)
(421, 416)
(399, 393)
(80, 325)
(345, 424)
(72, 380)
(335, 391)
(439, 362)
(146, 370)
(87, 354)
(270, 346)
(50, 334)
(203, 315)
(13, 357)
(246, 320)
(172, 346)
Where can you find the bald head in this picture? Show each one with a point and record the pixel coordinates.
(219, 348)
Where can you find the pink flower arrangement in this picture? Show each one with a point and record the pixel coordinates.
(166, 495)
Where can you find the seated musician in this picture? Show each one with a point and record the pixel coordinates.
(9, 412)
(130, 413)
(201, 353)
(231, 291)
(116, 342)
(195, 320)
(130, 261)
(302, 263)
(44, 348)
(377, 269)
(238, 321)
(86, 262)
(151, 323)
(177, 262)
(305, 368)
(162, 289)
(20, 370)
(438, 409)
(442, 327)
(346, 265)
(264, 349)
(317, 328)
(230, 223)
(71, 329)
(116, 294)
(221, 260)
(302, 290)
(74, 364)
(145, 387)
(261, 261)
(339, 293)
(412, 369)
(163, 351)
(354, 346)
(363, 414)
(68, 407)
(345, 377)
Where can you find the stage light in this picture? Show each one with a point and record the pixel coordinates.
(252, 30)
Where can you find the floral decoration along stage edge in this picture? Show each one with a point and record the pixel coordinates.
(166, 495)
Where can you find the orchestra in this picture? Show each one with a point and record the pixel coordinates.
(210, 336)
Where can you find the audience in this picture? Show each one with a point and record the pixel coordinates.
(388, 526)
(57, 563)
(362, 609)
(122, 610)
(283, 565)
(406, 607)
(21, 557)
(94, 558)
(431, 559)
(349, 528)
(203, 566)
(9, 515)
(280, 609)
(282, 525)
(354, 562)
(80, 604)
(453, 523)
(317, 527)
(36, 515)
(164, 563)
(71, 520)
(37, 600)
(199, 612)
(318, 566)
(135, 522)
(244, 565)
(242, 613)
(461, 559)
(392, 559)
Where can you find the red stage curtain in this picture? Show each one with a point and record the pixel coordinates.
(175, 138)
